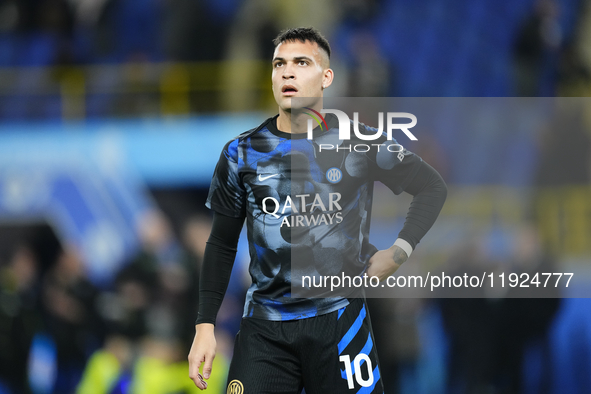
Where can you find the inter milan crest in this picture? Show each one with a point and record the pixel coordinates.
(334, 175)
(235, 387)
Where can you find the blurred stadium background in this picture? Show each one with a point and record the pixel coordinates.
(113, 114)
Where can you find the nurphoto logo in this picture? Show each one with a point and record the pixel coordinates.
(345, 124)
(318, 117)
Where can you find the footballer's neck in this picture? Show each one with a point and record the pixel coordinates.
(289, 122)
(284, 121)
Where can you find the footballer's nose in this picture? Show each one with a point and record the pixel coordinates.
(288, 72)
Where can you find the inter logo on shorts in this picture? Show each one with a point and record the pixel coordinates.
(235, 387)
(334, 175)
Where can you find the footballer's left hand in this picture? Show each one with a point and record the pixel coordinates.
(385, 262)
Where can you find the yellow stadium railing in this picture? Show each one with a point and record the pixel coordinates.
(145, 89)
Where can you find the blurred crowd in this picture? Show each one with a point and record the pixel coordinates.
(59, 333)
(381, 47)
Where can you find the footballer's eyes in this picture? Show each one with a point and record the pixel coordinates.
(280, 63)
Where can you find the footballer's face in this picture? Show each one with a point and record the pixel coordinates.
(300, 69)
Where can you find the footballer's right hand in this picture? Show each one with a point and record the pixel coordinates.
(202, 352)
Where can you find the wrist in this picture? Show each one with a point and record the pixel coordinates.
(404, 245)
(204, 327)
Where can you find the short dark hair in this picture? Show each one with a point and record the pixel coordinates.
(303, 34)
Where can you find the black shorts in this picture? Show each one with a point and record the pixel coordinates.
(331, 353)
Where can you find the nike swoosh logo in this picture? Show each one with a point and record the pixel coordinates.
(262, 178)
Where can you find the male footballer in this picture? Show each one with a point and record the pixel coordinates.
(303, 203)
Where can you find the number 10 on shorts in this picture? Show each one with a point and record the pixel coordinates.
(346, 359)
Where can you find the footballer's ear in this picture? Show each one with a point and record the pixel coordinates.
(327, 78)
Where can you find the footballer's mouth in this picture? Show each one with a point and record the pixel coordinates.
(289, 90)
